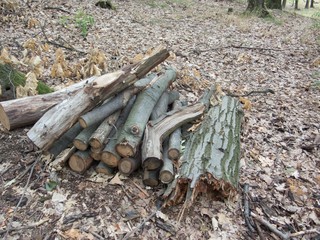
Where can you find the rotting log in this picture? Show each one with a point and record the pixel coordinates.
(80, 161)
(81, 141)
(62, 116)
(151, 177)
(166, 174)
(174, 148)
(65, 140)
(211, 161)
(26, 111)
(109, 154)
(132, 131)
(100, 135)
(114, 104)
(156, 132)
(104, 168)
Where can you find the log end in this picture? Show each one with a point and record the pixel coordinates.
(82, 122)
(125, 150)
(110, 159)
(95, 143)
(152, 163)
(80, 161)
(166, 177)
(95, 155)
(80, 145)
(128, 165)
(4, 118)
(173, 154)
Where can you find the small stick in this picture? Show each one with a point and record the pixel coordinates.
(33, 225)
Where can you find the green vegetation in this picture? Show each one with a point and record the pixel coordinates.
(82, 20)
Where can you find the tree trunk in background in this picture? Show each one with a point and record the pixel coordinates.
(307, 4)
(296, 4)
(284, 3)
(311, 4)
(274, 4)
(258, 7)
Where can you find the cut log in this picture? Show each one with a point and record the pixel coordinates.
(95, 153)
(167, 171)
(132, 132)
(62, 116)
(151, 177)
(80, 161)
(128, 165)
(211, 160)
(103, 168)
(26, 111)
(156, 132)
(81, 141)
(65, 140)
(100, 135)
(109, 154)
(175, 138)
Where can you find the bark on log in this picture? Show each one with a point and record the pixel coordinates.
(81, 141)
(167, 171)
(62, 116)
(100, 135)
(174, 148)
(211, 160)
(116, 103)
(156, 132)
(65, 140)
(151, 177)
(80, 161)
(104, 168)
(128, 165)
(26, 111)
(161, 107)
(109, 154)
(133, 129)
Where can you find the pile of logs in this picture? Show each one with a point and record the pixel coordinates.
(128, 120)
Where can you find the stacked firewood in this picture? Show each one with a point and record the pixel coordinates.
(129, 119)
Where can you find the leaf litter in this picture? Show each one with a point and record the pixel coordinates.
(280, 134)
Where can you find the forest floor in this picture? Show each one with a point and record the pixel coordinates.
(280, 142)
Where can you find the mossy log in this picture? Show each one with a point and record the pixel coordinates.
(62, 116)
(11, 78)
(81, 141)
(132, 131)
(210, 163)
(174, 148)
(167, 171)
(104, 168)
(155, 132)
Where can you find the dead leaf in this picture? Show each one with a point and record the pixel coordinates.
(116, 180)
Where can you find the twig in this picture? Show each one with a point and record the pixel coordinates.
(57, 8)
(143, 191)
(22, 196)
(198, 51)
(311, 231)
(73, 218)
(261, 236)
(23, 227)
(246, 206)
(58, 44)
(265, 91)
(141, 224)
(271, 227)
(96, 235)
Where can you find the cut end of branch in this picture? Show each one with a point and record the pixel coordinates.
(166, 177)
(110, 159)
(80, 161)
(4, 118)
(124, 149)
(80, 145)
(82, 122)
(173, 154)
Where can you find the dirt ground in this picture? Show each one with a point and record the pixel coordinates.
(280, 142)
